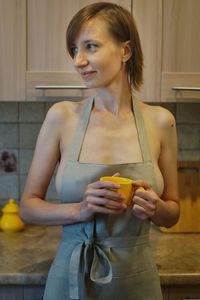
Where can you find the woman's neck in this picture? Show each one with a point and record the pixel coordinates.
(115, 100)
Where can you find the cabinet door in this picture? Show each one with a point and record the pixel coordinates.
(33, 292)
(12, 49)
(48, 61)
(11, 292)
(183, 293)
(180, 49)
(165, 293)
(148, 17)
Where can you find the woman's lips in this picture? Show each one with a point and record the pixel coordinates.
(87, 74)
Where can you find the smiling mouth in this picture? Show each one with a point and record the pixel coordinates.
(87, 74)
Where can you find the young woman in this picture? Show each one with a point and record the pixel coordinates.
(104, 252)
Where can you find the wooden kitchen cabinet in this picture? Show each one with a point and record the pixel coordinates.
(48, 61)
(180, 49)
(148, 17)
(33, 49)
(169, 32)
(165, 293)
(33, 292)
(11, 292)
(12, 50)
(183, 293)
(20, 292)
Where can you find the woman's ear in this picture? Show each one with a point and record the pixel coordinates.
(127, 51)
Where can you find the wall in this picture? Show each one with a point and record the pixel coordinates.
(20, 123)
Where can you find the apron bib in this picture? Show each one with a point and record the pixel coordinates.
(109, 256)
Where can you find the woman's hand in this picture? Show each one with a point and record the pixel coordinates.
(97, 199)
(145, 200)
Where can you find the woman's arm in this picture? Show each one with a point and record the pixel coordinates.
(33, 208)
(162, 211)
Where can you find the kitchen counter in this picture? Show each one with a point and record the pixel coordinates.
(26, 256)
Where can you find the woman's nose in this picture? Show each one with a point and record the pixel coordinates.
(80, 59)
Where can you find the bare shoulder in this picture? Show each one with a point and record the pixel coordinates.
(159, 116)
(61, 121)
(65, 110)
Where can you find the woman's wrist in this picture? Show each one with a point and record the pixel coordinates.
(166, 214)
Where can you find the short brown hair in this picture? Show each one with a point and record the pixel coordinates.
(122, 27)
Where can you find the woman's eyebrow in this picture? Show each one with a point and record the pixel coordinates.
(91, 40)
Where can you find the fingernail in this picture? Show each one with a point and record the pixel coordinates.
(141, 188)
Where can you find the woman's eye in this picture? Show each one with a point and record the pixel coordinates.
(74, 51)
(91, 46)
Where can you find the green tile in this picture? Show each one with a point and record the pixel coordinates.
(8, 112)
(28, 134)
(8, 135)
(31, 112)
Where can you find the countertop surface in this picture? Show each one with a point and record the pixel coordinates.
(26, 256)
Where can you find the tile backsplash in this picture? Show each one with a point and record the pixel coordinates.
(20, 123)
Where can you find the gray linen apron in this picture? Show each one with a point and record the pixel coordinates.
(109, 256)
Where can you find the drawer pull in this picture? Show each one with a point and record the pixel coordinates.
(60, 87)
(186, 88)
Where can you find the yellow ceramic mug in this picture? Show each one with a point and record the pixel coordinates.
(126, 189)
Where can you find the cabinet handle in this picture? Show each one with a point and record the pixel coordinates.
(43, 88)
(186, 88)
(60, 87)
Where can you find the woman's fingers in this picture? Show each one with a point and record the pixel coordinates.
(102, 194)
(105, 193)
(139, 212)
(116, 174)
(107, 210)
(103, 184)
(145, 203)
(141, 183)
(146, 206)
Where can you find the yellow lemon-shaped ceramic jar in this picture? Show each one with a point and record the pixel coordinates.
(10, 220)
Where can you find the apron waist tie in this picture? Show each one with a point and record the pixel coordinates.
(100, 260)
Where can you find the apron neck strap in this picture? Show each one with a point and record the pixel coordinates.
(141, 129)
(83, 123)
(80, 130)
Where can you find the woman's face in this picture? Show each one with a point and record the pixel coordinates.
(98, 58)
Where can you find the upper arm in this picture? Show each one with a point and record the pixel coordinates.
(46, 155)
(168, 155)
